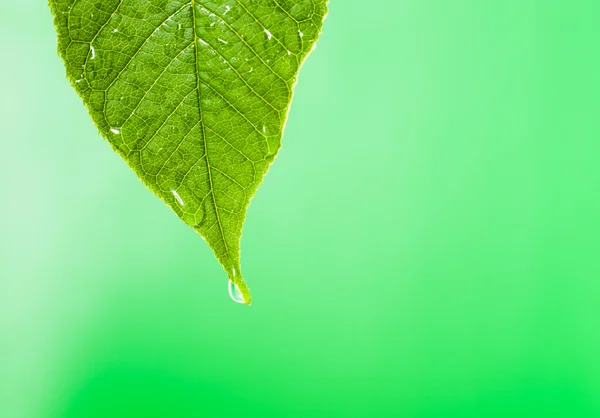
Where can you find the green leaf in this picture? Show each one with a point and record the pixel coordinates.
(194, 95)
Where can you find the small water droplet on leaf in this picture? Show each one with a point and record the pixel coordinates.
(178, 198)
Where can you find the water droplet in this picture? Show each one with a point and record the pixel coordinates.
(93, 52)
(179, 199)
(269, 36)
(115, 30)
(300, 33)
(227, 9)
(221, 40)
(251, 69)
(115, 131)
(235, 293)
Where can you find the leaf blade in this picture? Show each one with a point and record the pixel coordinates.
(194, 95)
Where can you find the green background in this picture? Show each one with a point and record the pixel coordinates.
(426, 244)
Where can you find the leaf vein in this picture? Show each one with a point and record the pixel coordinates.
(139, 103)
(137, 51)
(206, 83)
(240, 76)
(210, 179)
(241, 38)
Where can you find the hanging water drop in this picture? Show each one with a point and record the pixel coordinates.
(235, 293)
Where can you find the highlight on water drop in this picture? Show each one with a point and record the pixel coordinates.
(235, 293)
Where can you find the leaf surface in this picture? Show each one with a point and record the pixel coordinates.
(194, 96)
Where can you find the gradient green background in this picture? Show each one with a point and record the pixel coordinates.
(426, 244)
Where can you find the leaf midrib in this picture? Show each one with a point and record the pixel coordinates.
(202, 129)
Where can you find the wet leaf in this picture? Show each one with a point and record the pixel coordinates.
(193, 95)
